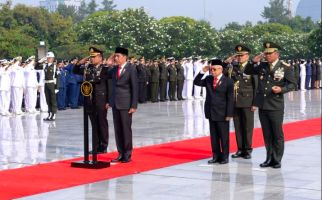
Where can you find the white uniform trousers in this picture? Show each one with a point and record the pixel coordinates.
(30, 99)
(184, 89)
(302, 82)
(203, 89)
(4, 102)
(197, 91)
(16, 100)
(189, 89)
(42, 99)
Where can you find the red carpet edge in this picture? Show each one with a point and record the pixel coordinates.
(15, 183)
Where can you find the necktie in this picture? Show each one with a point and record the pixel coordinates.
(270, 66)
(241, 67)
(118, 72)
(215, 82)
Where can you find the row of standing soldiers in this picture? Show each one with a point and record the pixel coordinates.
(153, 78)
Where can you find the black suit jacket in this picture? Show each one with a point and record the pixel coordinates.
(125, 89)
(220, 101)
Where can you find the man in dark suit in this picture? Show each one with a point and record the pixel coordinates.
(142, 80)
(219, 108)
(244, 93)
(275, 78)
(96, 104)
(124, 102)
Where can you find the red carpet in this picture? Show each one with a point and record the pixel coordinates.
(58, 175)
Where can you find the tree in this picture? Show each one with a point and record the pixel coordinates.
(233, 26)
(6, 18)
(67, 11)
(315, 42)
(91, 7)
(15, 43)
(82, 12)
(300, 24)
(276, 12)
(108, 5)
(131, 28)
(186, 37)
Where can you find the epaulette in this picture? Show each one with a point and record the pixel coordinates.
(285, 63)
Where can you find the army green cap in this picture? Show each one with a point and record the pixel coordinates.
(93, 51)
(271, 47)
(242, 49)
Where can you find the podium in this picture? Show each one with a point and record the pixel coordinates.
(87, 89)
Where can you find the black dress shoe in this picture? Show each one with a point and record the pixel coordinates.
(238, 154)
(224, 161)
(213, 160)
(118, 159)
(48, 118)
(267, 163)
(276, 165)
(91, 152)
(126, 160)
(247, 156)
(101, 151)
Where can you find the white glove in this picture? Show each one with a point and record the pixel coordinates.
(56, 91)
(42, 60)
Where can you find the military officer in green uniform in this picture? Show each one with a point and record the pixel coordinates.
(51, 85)
(275, 78)
(180, 79)
(148, 78)
(172, 80)
(96, 104)
(155, 76)
(244, 92)
(163, 79)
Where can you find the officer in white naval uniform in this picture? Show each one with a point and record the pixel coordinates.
(41, 88)
(17, 86)
(5, 88)
(31, 85)
(189, 78)
(197, 66)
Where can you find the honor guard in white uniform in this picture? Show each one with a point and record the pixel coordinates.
(197, 66)
(189, 78)
(51, 85)
(4, 88)
(31, 85)
(41, 89)
(17, 86)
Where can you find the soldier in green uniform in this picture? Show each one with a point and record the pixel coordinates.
(180, 79)
(142, 80)
(244, 92)
(172, 80)
(163, 79)
(275, 78)
(148, 78)
(51, 85)
(155, 76)
(96, 104)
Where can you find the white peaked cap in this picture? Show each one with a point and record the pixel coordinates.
(50, 55)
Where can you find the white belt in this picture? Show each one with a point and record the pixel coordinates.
(50, 81)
